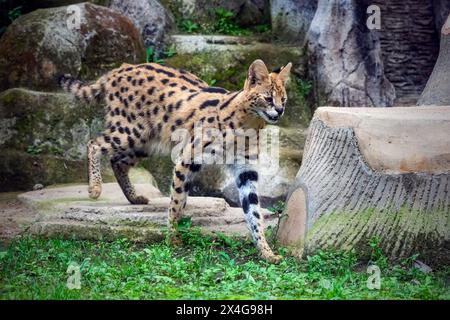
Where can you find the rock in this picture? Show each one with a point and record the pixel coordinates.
(149, 17)
(358, 79)
(291, 18)
(104, 40)
(437, 89)
(112, 217)
(22, 171)
(47, 123)
(247, 13)
(38, 187)
(44, 137)
(369, 172)
(441, 11)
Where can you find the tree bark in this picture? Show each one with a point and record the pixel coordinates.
(437, 90)
(368, 173)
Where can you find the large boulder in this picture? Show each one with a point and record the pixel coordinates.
(149, 17)
(437, 90)
(441, 11)
(291, 18)
(346, 56)
(47, 123)
(104, 40)
(43, 137)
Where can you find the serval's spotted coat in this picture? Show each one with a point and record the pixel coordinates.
(147, 102)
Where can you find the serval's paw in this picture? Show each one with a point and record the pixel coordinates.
(139, 200)
(174, 240)
(271, 257)
(95, 192)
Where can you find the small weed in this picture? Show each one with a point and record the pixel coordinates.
(225, 24)
(303, 87)
(189, 26)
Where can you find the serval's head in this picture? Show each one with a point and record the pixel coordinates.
(266, 91)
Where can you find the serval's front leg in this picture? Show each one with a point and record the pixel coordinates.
(182, 176)
(94, 174)
(246, 180)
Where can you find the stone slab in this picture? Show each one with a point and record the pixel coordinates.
(66, 211)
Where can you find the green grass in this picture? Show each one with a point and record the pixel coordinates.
(203, 268)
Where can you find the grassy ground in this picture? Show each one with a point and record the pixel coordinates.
(203, 268)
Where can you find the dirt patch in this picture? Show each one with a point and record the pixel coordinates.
(14, 216)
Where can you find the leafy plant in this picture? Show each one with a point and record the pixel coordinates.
(376, 256)
(189, 26)
(225, 24)
(303, 87)
(170, 52)
(150, 56)
(278, 208)
(15, 13)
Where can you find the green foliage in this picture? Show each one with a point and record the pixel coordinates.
(224, 24)
(9, 16)
(303, 87)
(189, 26)
(278, 208)
(48, 147)
(15, 13)
(204, 267)
(151, 56)
(376, 255)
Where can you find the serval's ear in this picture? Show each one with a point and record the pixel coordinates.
(285, 72)
(257, 74)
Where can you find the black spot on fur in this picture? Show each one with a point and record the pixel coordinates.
(215, 90)
(166, 118)
(167, 73)
(116, 140)
(256, 214)
(247, 176)
(136, 133)
(211, 119)
(180, 175)
(151, 91)
(195, 167)
(187, 187)
(253, 198)
(178, 190)
(209, 103)
(245, 205)
(164, 81)
(162, 97)
(131, 142)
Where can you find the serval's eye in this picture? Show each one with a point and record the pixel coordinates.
(283, 99)
(268, 99)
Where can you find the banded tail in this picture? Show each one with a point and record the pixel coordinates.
(86, 92)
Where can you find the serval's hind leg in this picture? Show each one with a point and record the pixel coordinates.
(94, 152)
(121, 163)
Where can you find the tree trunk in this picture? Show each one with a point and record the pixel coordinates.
(437, 90)
(369, 172)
